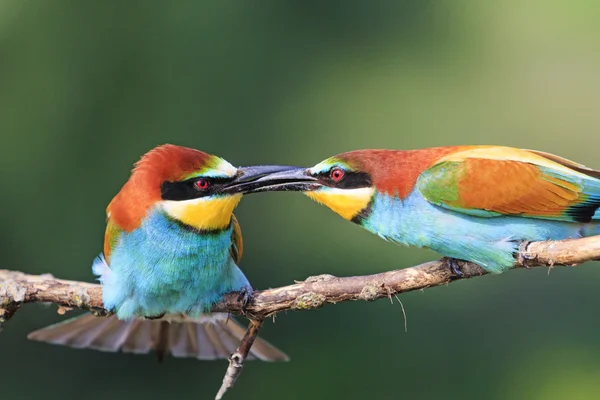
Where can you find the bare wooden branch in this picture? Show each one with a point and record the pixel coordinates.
(17, 288)
(236, 360)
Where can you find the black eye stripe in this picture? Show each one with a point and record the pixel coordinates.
(186, 190)
(350, 180)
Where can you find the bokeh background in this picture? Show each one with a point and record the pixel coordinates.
(87, 87)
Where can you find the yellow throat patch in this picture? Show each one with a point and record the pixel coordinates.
(346, 202)
(203, 213)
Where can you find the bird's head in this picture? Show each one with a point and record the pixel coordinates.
(346, 183)
(195, 188)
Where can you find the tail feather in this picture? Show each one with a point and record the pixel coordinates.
(260, 349)
(90, 337)
(205, 338)
(76, 332)
(206, 350)
(113, 338)
(141, 337)
(228, 339)
(183, 340)
(220, 348)
(162, 343)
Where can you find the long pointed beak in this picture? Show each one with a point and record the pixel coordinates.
(265, 178)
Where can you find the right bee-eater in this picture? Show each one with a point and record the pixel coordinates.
(171, 250)
(474, 203)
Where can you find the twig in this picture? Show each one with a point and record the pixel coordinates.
(403, 313)
(236, 360)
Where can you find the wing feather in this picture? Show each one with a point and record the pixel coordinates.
(111, 237)
(513, 182)
(237, 244)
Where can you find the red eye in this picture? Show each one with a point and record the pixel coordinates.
(337, 174)
(201, 184)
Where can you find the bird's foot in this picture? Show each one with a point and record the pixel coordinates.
(454, 266)
(523, 256)
(245, 296)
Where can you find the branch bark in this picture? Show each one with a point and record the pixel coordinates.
(17, 288)
(236, 360)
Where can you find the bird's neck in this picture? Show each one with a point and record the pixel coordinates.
(204, 214)
(348, 203)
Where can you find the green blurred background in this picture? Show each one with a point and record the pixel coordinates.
(88, 87)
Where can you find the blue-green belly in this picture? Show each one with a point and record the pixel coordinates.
(164, 267)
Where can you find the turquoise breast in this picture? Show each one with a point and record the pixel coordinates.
(488, 241)
(165, 267)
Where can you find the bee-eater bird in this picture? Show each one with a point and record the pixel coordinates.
(171, 250)
(474, 203)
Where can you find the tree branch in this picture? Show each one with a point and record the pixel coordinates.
(17, 288)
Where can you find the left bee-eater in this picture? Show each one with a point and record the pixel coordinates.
(171, 250)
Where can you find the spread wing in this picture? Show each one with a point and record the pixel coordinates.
(237, 245)
(494, 181)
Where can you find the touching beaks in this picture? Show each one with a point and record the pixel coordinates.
(265, 178)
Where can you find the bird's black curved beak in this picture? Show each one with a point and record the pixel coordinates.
(267, 178)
